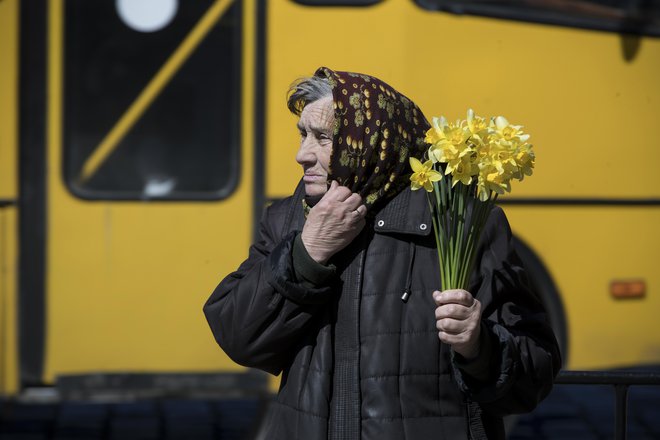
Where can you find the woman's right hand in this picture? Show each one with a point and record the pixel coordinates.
(333, 222)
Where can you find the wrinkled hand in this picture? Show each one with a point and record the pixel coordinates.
(333, 222)
(458, 320)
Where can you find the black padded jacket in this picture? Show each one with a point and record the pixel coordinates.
(357, 361)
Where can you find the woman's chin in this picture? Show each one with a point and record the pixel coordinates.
(315, 189)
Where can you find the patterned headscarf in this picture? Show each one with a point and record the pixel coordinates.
(376, 130)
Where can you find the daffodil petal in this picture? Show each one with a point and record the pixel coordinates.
(501, 122)
(415, 164)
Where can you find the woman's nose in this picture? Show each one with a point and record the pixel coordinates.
(305, 155)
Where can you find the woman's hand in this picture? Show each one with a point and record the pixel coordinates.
(333, 223)
(458, 320)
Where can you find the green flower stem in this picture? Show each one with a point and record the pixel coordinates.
(451, 257)
(460, 231)
(442, 199)
(467, 256)
(440, 227)
(456, 239)
(480, 217)
(451, 232)
(438, 241)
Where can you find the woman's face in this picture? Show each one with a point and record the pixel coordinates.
(316, 125)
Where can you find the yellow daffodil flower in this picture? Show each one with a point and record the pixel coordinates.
(441, 130)
(443, 152)
(423, 175)
(476, 124)
(524, 158)
(490, 181)
(490, 151)
(482, 193)
(502, 157)
(507, 131)
(436, 133)
(462, 171)
(495, 179)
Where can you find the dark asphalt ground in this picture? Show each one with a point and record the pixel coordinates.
(586, 412)
(581, 412)
(231, 419)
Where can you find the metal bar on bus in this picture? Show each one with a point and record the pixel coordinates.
(7, 202)
(608, 378)
(621, 411)
(621, 380)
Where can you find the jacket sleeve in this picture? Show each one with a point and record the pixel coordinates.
(259, 312)
(516, 370)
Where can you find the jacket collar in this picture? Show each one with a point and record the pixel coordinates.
(407, 213)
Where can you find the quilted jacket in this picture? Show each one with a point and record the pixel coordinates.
(357, 361)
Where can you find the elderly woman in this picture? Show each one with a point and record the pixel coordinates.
(339, 294)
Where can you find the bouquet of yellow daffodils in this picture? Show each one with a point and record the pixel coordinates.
(470, 162)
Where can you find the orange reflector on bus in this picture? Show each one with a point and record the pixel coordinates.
(622, 289)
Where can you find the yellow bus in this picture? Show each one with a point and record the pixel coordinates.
(137, 151)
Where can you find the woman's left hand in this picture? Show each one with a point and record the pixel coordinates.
(458, 320)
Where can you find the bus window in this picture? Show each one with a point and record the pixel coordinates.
(151, 111)
(628, 16)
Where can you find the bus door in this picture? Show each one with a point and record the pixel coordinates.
(149, 191)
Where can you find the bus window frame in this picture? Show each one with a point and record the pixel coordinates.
(511, 12)
(235, 144)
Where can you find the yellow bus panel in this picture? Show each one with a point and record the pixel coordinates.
(585, 106)
(8, 98)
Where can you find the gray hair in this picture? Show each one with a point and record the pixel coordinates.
(305, 90)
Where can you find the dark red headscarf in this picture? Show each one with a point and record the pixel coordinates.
(376, 130)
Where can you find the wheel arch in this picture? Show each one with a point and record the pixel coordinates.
(543, 285)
